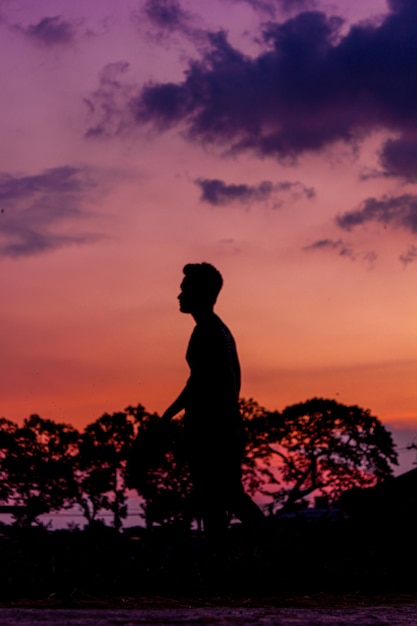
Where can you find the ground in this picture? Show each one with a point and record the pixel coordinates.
(399, 615)
(315, 610)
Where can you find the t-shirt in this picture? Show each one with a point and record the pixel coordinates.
(212, 390)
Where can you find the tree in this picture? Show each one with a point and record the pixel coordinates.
(7, 432)
(36, 466)
(322, 447)
(256, 466)
(100, 465)
(158, 471)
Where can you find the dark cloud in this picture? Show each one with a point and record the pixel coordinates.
(297, 188)
(399, 158)
(162, 19)
(339, 247)
(218, 193)
(323, 244)
(309, 87)
(335, 245)
(398, 211)
(410, 256)
(51, 31)
(166, 14)
(408, 7)
(32, 205)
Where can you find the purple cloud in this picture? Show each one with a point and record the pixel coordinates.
(398, 211)
(399, 158)
(308, 88)
(107, 110)
(264, 7)
(218, 193)
(51, 31)
(166, 14)
(160, 19)
(339, 247)
(270, 7)
(334, 245)
(31, 206)
(296, 5)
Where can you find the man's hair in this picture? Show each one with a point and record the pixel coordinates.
(205, 279)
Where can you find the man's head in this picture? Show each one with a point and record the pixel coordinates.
(199, 288)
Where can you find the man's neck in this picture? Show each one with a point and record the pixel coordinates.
(202, 315)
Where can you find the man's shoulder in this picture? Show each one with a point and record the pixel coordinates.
(211, 329)
(214, 325)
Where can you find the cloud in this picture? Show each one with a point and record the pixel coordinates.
(398, 211)
(342, 249)
(308, 88)
(410, 256)
(161, 19)
(166, 14)
(399, 158)
(218, 193)
(264, 7)
(289, 6)
(270, 7)
(107, 112)
(32, 205)
(50, 31)
(334, 245)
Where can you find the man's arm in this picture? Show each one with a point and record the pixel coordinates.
(177, 406)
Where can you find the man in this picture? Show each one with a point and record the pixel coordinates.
(212, 422)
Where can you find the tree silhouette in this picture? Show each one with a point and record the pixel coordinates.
(256, 466)
(157, 470)
(7, 432)
(99, 466)
(36, 466)
(324, 447)
(319, 447)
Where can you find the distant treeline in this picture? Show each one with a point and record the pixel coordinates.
(319, 447)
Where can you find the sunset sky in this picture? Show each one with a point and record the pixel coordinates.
(276, 139)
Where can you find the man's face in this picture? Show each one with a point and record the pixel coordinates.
(186, 297)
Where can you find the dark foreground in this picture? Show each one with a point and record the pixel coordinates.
(221, 616)
(323, 570)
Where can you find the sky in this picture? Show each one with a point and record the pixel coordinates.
(275, 139)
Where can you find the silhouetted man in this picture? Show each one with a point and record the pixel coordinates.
(212, 422)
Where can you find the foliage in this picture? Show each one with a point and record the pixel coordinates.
(7, 433)
(157, 470)
(325, 448)
(36, 466)
(313, 448)
(100, 463)
(256, 466)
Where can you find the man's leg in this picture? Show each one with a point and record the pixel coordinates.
(240, 503)
(206, 479)
(247, 511)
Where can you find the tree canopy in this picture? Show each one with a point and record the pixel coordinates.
(318, 447)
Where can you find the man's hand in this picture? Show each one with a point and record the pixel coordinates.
(175, 407)
(168, 414)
